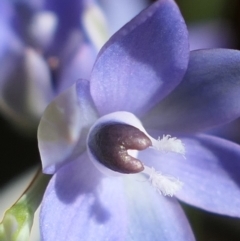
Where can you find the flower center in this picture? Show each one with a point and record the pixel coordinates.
(110, 143)
(113, 147)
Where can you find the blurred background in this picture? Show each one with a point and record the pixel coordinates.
(214, 23)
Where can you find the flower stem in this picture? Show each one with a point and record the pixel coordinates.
(18, 219)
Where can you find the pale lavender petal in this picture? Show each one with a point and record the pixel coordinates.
(208, 95)
(152, 216)
(209, 171)
(89, 206)
(84, 205)
(25, 87)
(64, 126)
(134, 70)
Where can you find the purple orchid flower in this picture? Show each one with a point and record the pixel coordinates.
(119, 178)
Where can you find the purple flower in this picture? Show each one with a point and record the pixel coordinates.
(116, 178)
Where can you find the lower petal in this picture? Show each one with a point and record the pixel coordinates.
(89, 206)
(152, 216)
(78, 201)
(209, 171)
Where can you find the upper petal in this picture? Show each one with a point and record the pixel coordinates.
(134, 70)
(68, 16)
(208, 95)
(87, 205)
(209, 171)
(64, 126)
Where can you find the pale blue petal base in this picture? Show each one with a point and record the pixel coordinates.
(82, 204)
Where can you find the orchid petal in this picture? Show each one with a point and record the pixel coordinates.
(132, 77)
(209, 171)
(208, 95)
(77, 191)
(29, 74)
(152, 216)
(64, 126)
(107, 208)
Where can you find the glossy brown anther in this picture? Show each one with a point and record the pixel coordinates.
(109, 144)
